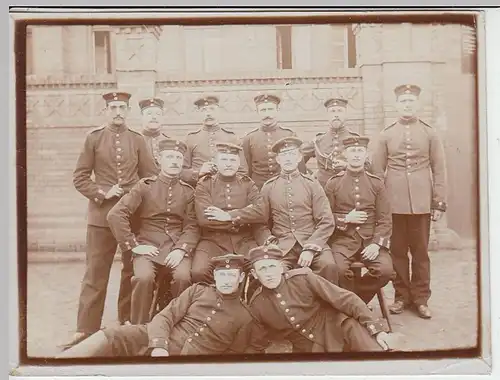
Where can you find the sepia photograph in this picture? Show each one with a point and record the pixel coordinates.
(244, 188)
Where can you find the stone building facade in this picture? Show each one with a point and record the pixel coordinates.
(69, 67)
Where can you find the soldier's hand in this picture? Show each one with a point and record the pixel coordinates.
(146, 250)
(115, 191)
(356, 217)
(158, 352)
(370, 252)
(215, 213)
(208, 168)
(306, 258)
(383, 340)
(174, 258)
(436, 215)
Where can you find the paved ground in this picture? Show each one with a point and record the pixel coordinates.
(53, 298)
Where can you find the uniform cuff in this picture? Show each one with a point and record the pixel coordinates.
(99, 196)
(158, 343)
(312, 247)
(382, 241)
(129, 244)
(441, 206)
(340, 222)
(374, 328)
(183, 247)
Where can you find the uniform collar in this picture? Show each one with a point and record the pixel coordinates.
(408, 121)
(225, 179)
(226, 297)
(211, 128)
(269, 128)
(333, 132)
(117, 128)
(292, 175)
(148, 133)
(355, 174)
(168, 180)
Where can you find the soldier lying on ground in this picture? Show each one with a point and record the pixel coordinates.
(203, 320)
(309, 311)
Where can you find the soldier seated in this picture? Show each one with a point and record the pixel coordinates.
(218, 193)
(362, 211)
(309, 311)
(203, 320)
(168, 232)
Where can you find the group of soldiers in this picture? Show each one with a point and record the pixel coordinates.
(255, 247)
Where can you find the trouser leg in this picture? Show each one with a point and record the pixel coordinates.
(181, 277)
(125, 291)
(419, 231)
(143, 283)
(346, 276)
(380, 271)
(399, 252)
(324, 265)
(357, 338)
(101, 248)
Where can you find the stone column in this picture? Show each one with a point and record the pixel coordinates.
(393, 54)
(136, 54)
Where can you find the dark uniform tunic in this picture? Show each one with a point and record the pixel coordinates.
(201, 149)
(115, 155)
(409, 155)
(364, 192)
(152, 139)
(316, 315)
(328, 150)
(257, 146)
(301, 219)
(201, 321)
(219, 238)
(164, 207)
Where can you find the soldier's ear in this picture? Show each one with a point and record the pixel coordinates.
(242, 277)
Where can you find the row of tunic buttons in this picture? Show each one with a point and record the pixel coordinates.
(292, 319)
(289, 196)
(228, 195)
(357, 195)
(118, 157)
(200, 330)
(169, 202)
(408, 146)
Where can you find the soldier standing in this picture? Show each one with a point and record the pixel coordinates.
(118, 157)
(257, 144)
(199, 158)
(151, 115)
(410, 156)
(327, 146)
(362, 212)
(310, 312)
(226, 190)
(298, 211)
(167, 232)
(203, 320)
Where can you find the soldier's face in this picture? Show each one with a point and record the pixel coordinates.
(227, 164)
(355, 156)
(151, 118)
(171, 162)
(117, 111)
(337, 115)
(268, 272)
(407, 105)
(227, 281)
(289, 159)
(210, 114)
(268, 112)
